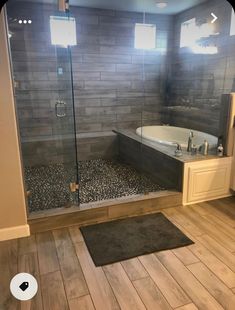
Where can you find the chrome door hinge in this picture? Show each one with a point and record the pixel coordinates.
(28, 193)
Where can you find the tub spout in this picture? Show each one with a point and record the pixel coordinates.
(190, 141)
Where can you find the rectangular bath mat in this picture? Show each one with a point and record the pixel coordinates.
(119, 240)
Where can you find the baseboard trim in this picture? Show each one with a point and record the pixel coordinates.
(14, 232)
(208, 199)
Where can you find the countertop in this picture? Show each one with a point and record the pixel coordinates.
(168, 150)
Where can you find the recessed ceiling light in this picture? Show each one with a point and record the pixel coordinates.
(161, 5)
(20, 21)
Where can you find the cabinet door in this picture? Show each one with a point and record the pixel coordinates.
(206, 181)
(233, 171)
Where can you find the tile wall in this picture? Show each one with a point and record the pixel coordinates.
(197, 82)
(115, 85)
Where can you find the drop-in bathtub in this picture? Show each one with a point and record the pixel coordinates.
(169, 135)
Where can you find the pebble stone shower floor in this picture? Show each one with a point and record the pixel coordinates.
(99, 180)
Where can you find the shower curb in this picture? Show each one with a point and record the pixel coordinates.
(103, 211)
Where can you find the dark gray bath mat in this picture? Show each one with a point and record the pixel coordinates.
(127, 238)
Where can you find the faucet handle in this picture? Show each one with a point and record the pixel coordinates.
(179, 148)
(178, 151)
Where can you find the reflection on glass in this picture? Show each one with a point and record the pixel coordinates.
(145, 36)
(192, 34)
(232, 26)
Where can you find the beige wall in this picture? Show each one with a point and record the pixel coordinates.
(12, 201)
(231, 140)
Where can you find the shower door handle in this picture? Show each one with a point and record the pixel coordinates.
(60, 109)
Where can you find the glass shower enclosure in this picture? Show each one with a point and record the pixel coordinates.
(85, 79)
(40, 38)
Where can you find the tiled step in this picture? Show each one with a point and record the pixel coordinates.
(103, 211)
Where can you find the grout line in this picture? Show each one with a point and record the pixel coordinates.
(148, 276)
(200, 244)
(216, 254)
(156, 283)
(133, 284)
(182, 287)
(180, 307)
(81, 267)
(204, 285)
(39, 272)
(111, 285)
(62, 277)
(39, 277)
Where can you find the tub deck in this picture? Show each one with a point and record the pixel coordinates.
(167, 150)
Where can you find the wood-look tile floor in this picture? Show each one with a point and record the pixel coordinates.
(199, 276)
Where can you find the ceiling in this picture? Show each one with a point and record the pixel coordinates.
(149, 6)
(173, 6)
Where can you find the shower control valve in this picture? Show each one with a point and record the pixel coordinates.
(60, 108)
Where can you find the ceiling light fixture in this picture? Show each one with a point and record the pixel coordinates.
(161, 5)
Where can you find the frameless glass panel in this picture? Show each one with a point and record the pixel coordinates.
(154, 45)
(44, 101)
(108, 77)
(198, 66)
(193, 66)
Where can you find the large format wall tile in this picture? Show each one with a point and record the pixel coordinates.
(197, 82)
(115, 85)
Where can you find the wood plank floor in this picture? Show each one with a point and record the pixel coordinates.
(199, 276)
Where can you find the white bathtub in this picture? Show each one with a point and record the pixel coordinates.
(169, 135)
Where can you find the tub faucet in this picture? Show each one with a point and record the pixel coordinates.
(178, 151)
(190, 141)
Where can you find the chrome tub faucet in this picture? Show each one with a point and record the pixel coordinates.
(190, 141)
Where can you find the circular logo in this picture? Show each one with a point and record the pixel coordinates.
(23, 286)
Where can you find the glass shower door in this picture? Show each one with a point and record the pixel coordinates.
(40, 38)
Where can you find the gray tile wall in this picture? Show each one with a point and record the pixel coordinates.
(197, 82)
(112, 88)
(116, 86)
(161, 168)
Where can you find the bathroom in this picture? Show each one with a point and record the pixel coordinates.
(116, 109)
(80, 99)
